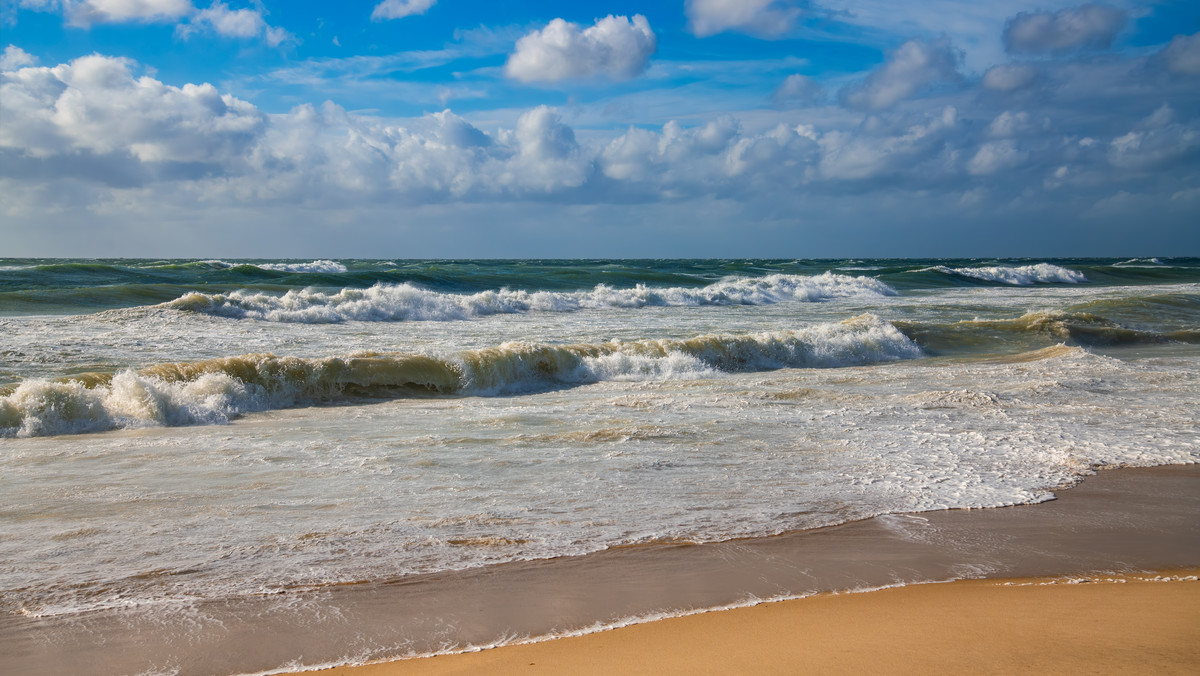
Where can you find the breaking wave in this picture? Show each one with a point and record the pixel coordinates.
(217, 390)
(1025, 275)
(406, 302)
(318, 266)
(1069, 327)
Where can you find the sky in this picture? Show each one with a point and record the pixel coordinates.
(589, 129)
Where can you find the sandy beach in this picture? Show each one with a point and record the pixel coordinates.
(1056, 617)
(1126, 522)
(1096, 624)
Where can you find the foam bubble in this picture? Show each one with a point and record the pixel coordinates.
(406, 302)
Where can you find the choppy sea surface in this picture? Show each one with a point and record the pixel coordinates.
(182, 430)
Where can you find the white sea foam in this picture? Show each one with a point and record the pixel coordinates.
(319, 266)
(1025, 275)
(1138, 262)
(325, 266)
(40, 407)
(406, 302)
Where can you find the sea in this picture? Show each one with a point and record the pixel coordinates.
(182, 432)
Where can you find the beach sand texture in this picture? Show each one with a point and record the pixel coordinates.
(1100, 624)
(1132, 520)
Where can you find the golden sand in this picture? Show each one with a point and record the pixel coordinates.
(1128, 624)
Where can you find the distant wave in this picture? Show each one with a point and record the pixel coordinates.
(217, 390)
(319, 266)
(406, 302)
(1138, 263)
(1025, 275)
(315, 266)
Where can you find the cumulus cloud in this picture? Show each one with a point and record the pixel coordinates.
(1009, 77)
(1009, 124)
(879, 149)
(1182, 55)
(764, 18)
(14, 57)
(615, 47)
(98, 129)
(235, 23)
(398, 9)
(914, 67)
(217, 18)
(94, 106)
(88, 12)
(798, 89)
(717, 158)
(994, 157)
(1089, 26)
(1157, 142)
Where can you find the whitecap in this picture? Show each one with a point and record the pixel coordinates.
(407, 302)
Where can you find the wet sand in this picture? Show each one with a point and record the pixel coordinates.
(1127, 520)
(1131, 624)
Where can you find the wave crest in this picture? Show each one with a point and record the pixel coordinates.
(218, 390)
(1025, 275)
(406, 302)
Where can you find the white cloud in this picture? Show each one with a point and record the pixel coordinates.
(1010, 125)
(798, 89)
(88, 12)
(235, 23)
(14, 57)
(710, 159)
(994, 157)
(98, 135)
(1157, 142)
(548, 158)
(1009, 77)
(878, 149)
(95, 105)
(764, 18)
(615, 47)
(218, 18)
(398, 9)
(1183, 54)
(1089, 26)
(912, 68)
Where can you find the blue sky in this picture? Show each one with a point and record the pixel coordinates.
(448, 128)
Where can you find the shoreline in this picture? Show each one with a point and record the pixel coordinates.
(1119, 520)
(1104, 624)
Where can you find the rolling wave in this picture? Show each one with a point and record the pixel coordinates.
(317, 266)
(406, 302)
(1138, 262)
(1069, 327)
(1025, 275)
(217, 390)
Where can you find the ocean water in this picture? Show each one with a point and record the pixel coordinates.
(179, 431)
